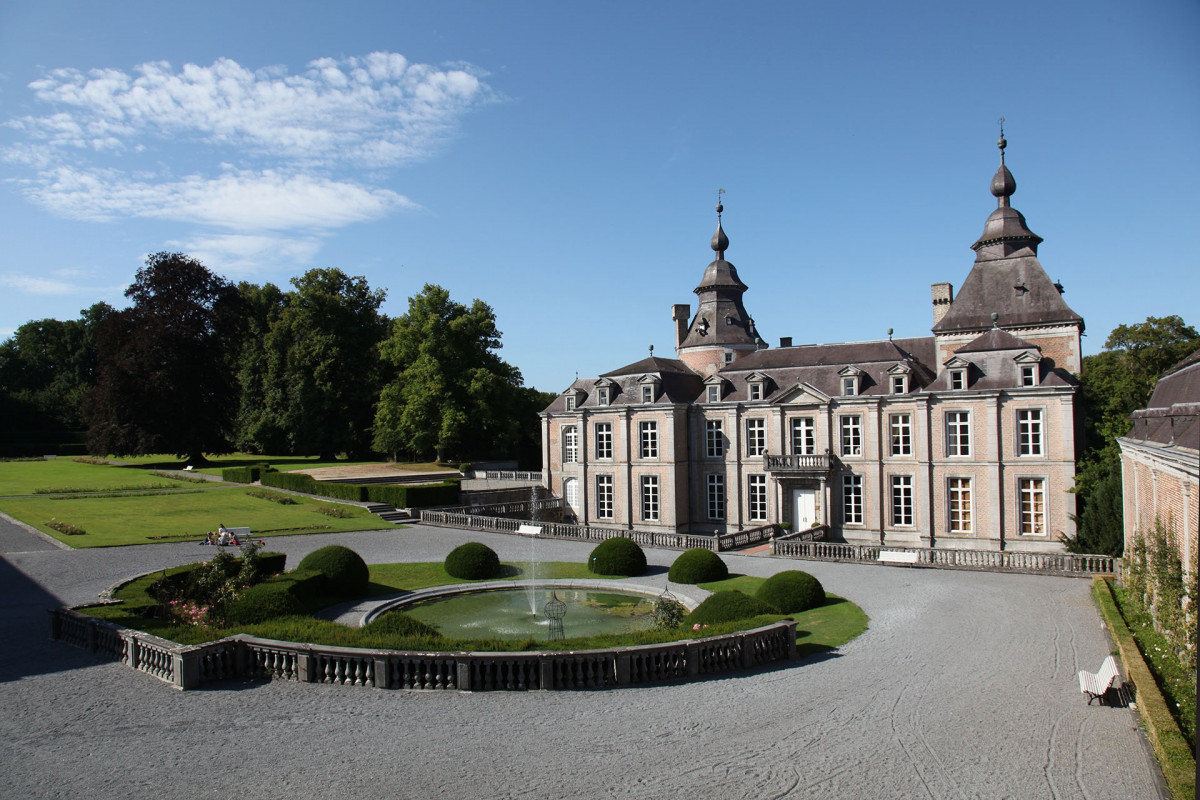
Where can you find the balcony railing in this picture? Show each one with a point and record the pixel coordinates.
(812, 464)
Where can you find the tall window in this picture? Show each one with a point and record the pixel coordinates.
(571, 492)
(960, 505)
(648, 438)
(1029, 432)
(714, 438)
(604, 496)
(852, 499)
(756, 437)
(650, 498)
(1032, 493)
(958, 433)
(902, 500)
(758, 497)
(901, 431)
(851, 435)
(716, 497)
(570, 444)
(804, 437)
(604, 440)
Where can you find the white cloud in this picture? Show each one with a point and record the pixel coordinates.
(239, 201)
(68, 284)
(245, 256)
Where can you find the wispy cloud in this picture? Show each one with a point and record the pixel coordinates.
(248, 152)
(64, 284)
(240, 256)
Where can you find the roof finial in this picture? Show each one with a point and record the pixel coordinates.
(652, 351)
(719, 240)
(720, 207)
(1003, 143)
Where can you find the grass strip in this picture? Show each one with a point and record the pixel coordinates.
(1170, 747)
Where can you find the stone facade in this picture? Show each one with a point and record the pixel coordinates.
(963, 439)
(1160, 460)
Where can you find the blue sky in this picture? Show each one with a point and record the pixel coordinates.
(561, 161)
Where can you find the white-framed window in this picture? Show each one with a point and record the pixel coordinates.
(648, 439)
(756, 391)
(714, 438)
(958, 379)
(852, 499)
(650, 498)
(851, 431)
(899, 384)
(716, 496)
(570, 444)
(900, 427)
(602, 395)
(1029, 375)
(1029, 432)
(647, 394)
(728, 356)
(570, 402)
(850, 385)
(958, 433)
(804, 436)
(714, 393)
(902, 500)
(756, 437)
(604, 440)
(571, 492)
(758, 497)
(604, 496)
(959, 500)
(1032, 493)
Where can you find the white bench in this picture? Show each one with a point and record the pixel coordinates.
(241, 534)
(1097, 685)
(530, 530)
(898, 556)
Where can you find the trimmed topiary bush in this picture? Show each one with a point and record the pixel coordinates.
(698, 565)
(264, 601)
(617, 556)
(344, 569)
(792, 591)
(728, 606)
(472, 561)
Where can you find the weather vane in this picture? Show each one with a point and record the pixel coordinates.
(720, 207)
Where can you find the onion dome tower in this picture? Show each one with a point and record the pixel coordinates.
(1008, 287)
(721, 330)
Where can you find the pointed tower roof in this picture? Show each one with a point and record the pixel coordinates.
(721, 319)
(1007, 278)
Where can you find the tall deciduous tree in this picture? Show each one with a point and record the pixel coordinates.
(450, 393)
(165, 382)
(258, 429)
(1116, 382)
(323, 366)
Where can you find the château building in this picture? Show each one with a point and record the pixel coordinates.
(962, 439)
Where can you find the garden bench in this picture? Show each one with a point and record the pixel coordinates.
(241, 534)
(1097, 685)
(898, 556)
(529, 530)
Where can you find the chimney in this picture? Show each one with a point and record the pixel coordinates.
(785, 341)
(681, 314)
(943, 296)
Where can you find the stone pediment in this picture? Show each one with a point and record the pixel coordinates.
(802, 394)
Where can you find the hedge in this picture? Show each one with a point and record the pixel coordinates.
(248, 474)
(446, 493)
(728, 606)
(305, 484)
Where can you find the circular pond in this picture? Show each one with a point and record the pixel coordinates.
(522, 613)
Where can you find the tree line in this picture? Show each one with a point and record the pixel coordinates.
(197, 364)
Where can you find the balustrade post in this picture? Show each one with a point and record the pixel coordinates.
(624, 668)
(55, 624)
(463, 672)
(93, 635)
(133, 649)
(185, 668)
(382, 673)
(791, 640)
(693, 658)
(546, 672)
(747, 651)
(306, 669)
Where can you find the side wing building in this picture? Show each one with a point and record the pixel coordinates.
(962, 439)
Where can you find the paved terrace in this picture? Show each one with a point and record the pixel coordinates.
(964, 686)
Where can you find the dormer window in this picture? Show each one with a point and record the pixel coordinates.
(899, 384)
(570, 402)
(647, 394)
(849, 386)
(756, 386)
(851, 381)
(756, 391)
(714, 393)
(1029, 375)
(958, 379)
(602, 396)
(728, 356)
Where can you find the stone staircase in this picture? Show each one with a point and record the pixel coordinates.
(390, 512)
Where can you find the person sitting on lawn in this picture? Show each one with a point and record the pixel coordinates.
(208, 538)
(223, 537)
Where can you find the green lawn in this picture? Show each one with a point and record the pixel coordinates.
(67, 475)
(181, 516)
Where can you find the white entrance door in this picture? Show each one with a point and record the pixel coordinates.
(804, 508)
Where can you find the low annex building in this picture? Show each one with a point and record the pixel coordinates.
(962, 439)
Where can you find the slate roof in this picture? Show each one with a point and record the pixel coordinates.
(1172, 415)
(994, 340)
(992, 286)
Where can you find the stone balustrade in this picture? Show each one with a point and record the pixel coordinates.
(998, 560)
(242, 656)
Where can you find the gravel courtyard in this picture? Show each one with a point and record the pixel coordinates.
(964, 686)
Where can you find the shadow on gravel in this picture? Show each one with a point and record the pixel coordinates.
(25, 630)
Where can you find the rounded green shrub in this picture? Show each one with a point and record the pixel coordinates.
(728, 606)
(264, 601)
(698, 565)
(472, 561)
(344, 569)
(791, 591)
(617, 556)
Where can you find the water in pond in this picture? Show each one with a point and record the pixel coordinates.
(505, 614)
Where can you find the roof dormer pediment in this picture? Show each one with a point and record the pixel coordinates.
(802, 394)
(900, 369)
(850, 371)
(956, 362)
(1028, 357)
